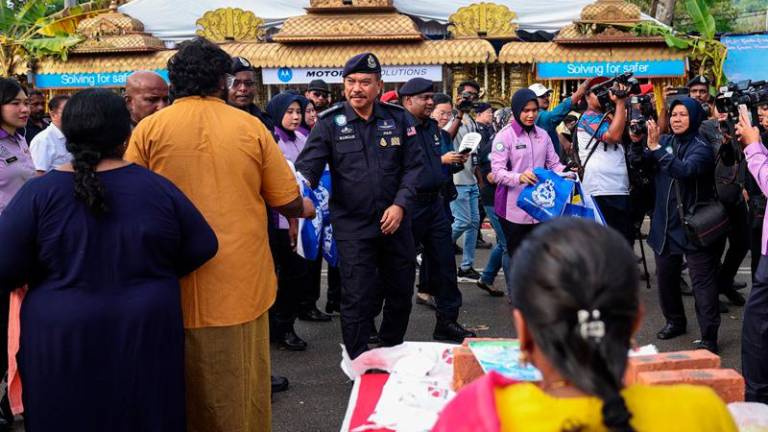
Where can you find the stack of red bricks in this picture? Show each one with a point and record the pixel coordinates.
(699, 367)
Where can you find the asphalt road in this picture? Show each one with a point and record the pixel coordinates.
(319, 392)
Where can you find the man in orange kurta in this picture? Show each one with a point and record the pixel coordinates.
(228, 164)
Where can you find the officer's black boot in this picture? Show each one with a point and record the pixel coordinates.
(450, 330)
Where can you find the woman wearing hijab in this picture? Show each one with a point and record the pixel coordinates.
(517, 149)
(683, 159)
(292, 270)
(310, 115)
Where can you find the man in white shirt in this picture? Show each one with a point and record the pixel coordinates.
(49, 147)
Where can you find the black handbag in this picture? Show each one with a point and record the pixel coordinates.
(705, 222)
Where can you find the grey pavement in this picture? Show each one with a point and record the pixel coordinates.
(319, 391)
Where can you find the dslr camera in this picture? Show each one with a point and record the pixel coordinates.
(751, 94)
(466, 103)
(640, 115)
(604, 89)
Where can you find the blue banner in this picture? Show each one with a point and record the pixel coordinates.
(746, 58)
(86, 80)
(641, 69)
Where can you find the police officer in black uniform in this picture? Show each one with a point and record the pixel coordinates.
(429, 221)
(375, 161)
(242, 90)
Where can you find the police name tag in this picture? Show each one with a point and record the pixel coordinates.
(520, 146)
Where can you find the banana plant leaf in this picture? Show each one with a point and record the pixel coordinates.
(51, 46)
(701, 18)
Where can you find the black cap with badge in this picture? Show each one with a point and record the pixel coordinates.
(362, 63)
(240, 64)
(698, 80)
(415, 86)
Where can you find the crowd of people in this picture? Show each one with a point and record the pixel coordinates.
(152, 244)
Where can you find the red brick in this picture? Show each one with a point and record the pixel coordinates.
(676, 360)
(465, 367)
(727, 383)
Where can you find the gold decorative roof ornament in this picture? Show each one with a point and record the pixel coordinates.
(322, 6)
(605, 22)
(230, 24)
(114, 31)
(316, 27)
(485, 20)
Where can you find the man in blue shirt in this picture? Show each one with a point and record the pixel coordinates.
(548, 120)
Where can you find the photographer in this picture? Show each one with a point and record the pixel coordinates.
(754, 343)
(549, 120)
(684, 168)
(601, 153)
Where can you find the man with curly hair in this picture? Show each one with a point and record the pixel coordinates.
(228, 164)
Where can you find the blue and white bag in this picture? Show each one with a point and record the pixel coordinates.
(582, 205)
(547, 198)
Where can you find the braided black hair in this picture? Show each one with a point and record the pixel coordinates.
(570, 265)
(97, 124)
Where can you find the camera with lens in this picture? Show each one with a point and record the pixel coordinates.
(604, 89)
(467, 103)
(748, 93)
(640, 110)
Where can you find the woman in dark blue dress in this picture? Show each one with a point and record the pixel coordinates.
(102, 244)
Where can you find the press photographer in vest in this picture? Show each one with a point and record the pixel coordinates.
(601, 154)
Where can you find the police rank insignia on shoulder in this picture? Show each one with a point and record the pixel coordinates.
(411, 131)
(395, 141)
(340, 120)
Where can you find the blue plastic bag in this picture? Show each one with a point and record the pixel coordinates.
(583, 206)
(547, 198)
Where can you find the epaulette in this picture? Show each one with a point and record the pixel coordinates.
(331, 110)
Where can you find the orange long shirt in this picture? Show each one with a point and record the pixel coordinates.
(229, 165)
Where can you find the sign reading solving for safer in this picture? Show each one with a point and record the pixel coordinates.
(286, 75)
(640, 69)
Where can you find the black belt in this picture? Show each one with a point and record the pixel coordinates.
(427, 197)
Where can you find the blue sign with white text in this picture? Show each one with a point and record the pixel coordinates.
(641, 69)
(746, 57)
(88, 79)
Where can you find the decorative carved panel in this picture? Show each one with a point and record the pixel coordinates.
(336, 4)
(230, 24)
(483, 20)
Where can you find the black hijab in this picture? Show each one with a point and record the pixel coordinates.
(277, 107)
(696, 117)
(519, 100)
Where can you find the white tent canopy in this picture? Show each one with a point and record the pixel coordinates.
(175, 20)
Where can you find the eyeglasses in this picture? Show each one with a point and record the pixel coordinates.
(233, 83)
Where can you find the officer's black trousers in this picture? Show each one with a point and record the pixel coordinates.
(292, 281)
(754, 338)
(371, 269)
(313, 292)
(432, 230)
(738, 245)
(702, 266)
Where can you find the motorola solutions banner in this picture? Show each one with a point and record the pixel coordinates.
(286, 75)
(88, 79)
(641, 69)
(746, 57)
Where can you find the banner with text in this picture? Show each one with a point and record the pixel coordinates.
(88, 79)
(641, 69)
(746, 57)
(286, 75)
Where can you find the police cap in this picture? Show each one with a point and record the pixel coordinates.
(318, 85)
(482, 107)
(698, 80)
(415, 86)
(362, 63)
(240, 64)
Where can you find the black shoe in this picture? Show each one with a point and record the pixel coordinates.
(723, 307)
(685, 289)
(739, 285)
(490, 289)
(451, 331)
(707, 345)
(468, 276)
(457, 250)
(291, 341)
(670, 331)
(315, 315)
(332, 308)
(279, 384)
(482, 244)
(734, 297)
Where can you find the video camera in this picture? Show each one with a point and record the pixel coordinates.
(641, 115)
(466, 104)
(748, 93)
(604, 89)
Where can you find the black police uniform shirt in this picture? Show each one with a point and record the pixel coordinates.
(374, 164)
(433, 176)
